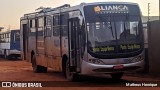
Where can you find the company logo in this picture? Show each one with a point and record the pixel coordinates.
(6, 84)
(113, 8)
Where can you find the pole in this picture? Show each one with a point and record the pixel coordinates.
(159, 9)
(148, 11)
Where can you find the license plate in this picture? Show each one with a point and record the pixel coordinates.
(118, 67)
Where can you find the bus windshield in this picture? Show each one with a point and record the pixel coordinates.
(114, 33)
(108, 31)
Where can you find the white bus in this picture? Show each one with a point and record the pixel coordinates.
(90, 38)
(10, 44)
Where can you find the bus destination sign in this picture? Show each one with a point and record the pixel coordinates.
(111, 9)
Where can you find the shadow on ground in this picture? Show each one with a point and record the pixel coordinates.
(86, 81)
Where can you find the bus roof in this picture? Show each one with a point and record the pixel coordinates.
(7, 31)
(117, 2)
(66, 7)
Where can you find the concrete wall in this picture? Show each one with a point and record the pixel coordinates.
(154, 47)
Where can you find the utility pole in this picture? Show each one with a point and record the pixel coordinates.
(159, 9)
(148, 11)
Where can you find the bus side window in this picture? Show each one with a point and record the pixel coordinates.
(6, 39)
(1, 38)
(32, 27)
(9, 37)
(48, 31)
(16, 37)
(56, 25)
(40, 26)
(63, 21)
(83, 38)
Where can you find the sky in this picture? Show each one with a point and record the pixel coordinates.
(12, 10)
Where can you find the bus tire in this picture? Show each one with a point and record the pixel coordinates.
(116, 76)
(9, 57)
(70, 75)
(5, 54)
(38, 68)
(64, 67)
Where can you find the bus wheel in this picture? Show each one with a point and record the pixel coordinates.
(70, 75)
(5, 54)
(116, 76)
(37, 68)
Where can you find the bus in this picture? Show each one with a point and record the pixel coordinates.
(87, 39)
(10, 44)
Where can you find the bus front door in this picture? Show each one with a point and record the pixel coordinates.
(74, 45)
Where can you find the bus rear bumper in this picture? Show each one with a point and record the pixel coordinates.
(89, 68)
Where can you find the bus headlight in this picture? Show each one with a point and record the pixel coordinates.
(137, 59)
(96, 61)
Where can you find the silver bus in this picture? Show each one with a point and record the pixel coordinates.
(90, 38)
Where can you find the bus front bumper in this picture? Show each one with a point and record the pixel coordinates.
(89, 68)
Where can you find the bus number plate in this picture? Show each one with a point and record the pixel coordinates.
(118, 67)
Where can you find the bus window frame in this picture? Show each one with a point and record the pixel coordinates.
(64, 23)
(40, 28)
(32, 26)
(56, 25)
(48, 25)
(15, 37)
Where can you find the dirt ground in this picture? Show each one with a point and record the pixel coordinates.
(18, 70)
